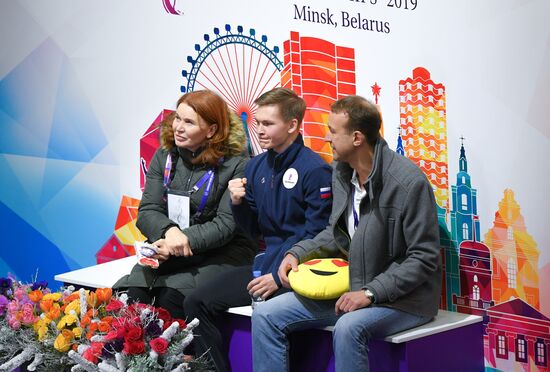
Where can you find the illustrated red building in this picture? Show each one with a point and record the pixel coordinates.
(321, 72)
(517, 337)
(475, 277)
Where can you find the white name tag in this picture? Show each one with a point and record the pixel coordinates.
(178, 209)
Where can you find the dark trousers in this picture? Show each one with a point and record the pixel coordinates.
(212, 299)
(167, 298)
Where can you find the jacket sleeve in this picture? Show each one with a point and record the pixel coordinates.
(152, 218)
(322, 245)
(220, 230)
(246, 213)
(317, 208)
(421, 232)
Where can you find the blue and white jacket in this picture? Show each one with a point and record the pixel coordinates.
(288, 199)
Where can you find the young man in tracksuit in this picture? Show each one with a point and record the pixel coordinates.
(285, 197)
(384, 222)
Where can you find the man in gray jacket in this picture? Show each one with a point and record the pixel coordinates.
(384, 221)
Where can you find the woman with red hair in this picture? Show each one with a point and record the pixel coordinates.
(185, 210)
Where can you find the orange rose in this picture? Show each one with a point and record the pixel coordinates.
(55, 312)
(91, 299)
(103, 295)
(46, 305)
(104, 327)
(85, 321)
(36, 296)
(92, 330)
(73, 296)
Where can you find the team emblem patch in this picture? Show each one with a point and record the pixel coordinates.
(290, 178)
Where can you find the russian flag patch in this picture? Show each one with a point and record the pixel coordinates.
(325, 192)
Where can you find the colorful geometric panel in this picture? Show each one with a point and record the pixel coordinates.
(321, 72)
(129, 233)
(121, 243)
(149, 143)
(113, 249)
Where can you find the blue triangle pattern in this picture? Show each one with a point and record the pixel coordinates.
(75, 132)
(26, 256)
(27, 96)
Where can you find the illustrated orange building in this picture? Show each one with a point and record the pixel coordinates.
(321, 72)
(423, 139)
(514, 253)
(423, 122)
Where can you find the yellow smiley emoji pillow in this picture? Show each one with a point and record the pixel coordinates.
(321, 279)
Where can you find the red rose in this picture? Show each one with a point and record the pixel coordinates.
(114, 305)
(132, 348)
(182, 323)
(115, 333)
(118, 323)
(134, 334)
(93, 352)
(165, 316)
(89, 356)
(159, 344)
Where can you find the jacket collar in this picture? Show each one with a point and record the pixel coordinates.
(187, 155)
(374, 182)
(284, 159)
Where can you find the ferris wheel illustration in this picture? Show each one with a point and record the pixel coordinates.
(240, 68)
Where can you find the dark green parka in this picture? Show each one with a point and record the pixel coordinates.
(217, 243)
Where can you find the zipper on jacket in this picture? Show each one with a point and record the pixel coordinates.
(345, 233)
(188, 186)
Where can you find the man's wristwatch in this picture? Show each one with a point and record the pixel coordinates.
(369, 295)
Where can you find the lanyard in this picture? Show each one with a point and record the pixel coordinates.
(207, 176)
(167, 169)
(355, 215)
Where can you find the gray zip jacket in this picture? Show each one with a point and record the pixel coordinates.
(395, 249)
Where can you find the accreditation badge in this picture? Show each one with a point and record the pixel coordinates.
(178, 207)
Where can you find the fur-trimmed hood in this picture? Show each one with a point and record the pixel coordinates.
(234, 145)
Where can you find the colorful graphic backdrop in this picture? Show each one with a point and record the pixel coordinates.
(463, 88)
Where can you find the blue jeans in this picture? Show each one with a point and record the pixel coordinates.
(276, 318)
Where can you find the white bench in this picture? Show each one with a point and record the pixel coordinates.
(103, 275)
(444, 321)
(449, 340)
(106, 274)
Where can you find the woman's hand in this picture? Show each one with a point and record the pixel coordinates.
(263, 286)
(177, 243)
(162, 251)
